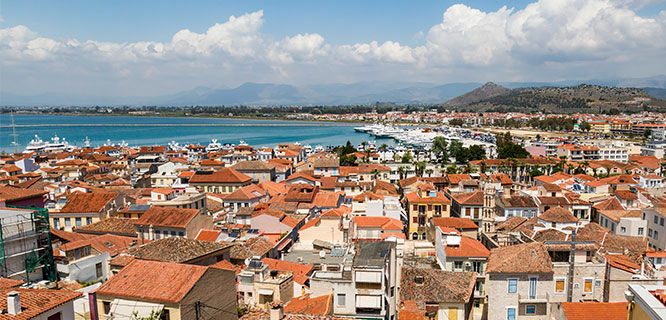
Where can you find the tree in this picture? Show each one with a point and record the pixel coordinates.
(456, 122)
(419, 168)
(440, 147)
(585, 126)
(407, 157)
(452, 169)
(484, 167)
(401, 172)
(383, 147)
(476, 152)
(535, 173)
(512, 150)
(348, 160)
(429, 172)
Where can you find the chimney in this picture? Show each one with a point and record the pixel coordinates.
(277, 312)
(13, 303)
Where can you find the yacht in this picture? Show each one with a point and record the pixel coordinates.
(58, 144)
(213, 146)
(36, 145)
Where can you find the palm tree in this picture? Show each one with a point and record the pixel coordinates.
(383, 147)
(429, 172)
(401, 172)
(420, 168)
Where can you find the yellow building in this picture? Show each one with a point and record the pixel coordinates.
(600, 126)
(422, 205)
(646, 302)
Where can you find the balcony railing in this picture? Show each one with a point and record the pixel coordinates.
(539, 298)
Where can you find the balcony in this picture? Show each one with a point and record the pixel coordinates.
(539, 298)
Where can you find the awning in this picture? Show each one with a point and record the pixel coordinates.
(127, 309)
(266, 292)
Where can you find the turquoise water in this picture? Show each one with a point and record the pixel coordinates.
(256, 132)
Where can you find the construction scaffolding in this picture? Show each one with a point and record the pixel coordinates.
(25, 244)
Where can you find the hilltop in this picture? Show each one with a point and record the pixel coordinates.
(580, 98)
(481, 93)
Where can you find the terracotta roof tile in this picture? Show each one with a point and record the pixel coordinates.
(320, 306)
(437, 286)
(167, 217)
(595, 310)
(226, 175)
(468, 248)
(35, 302)
(87, 202)
(178, 250)
(529, 257)
(298, 269)
(454, 222)
(118, 226)
(152, 280)
(558, 215)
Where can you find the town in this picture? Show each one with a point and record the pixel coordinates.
(472, 217)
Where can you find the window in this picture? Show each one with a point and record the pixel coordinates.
(530, 309)
(88, 220)
(513, 286)
(661, 221)
(623, 229)
(559, 285)
(457, 264)
(640, 231)
(588, 286)
(656, 235)
(78, 222)
(649, 232)
(55, 316)
(659, 260)
(341, 299)
(56, 223)
(656, 219)
(98, 270)
(533, 288)
(181, 234)
(68, 222)
(511, 314)
(107, 307)
(165, 315)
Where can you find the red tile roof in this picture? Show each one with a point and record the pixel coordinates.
(87, 202)
(558, 215)
(167, 217)
(35, 302)
(226, 175)
(9, 283)
(208, 235)
(8, 193)
(455, 223)
(595, 310)
(468, 248)
(320, 306)
(529, 257)
(385, 223)
(152, 280)
(470, 199)
(298, 269)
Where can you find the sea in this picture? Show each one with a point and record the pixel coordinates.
(141, 130)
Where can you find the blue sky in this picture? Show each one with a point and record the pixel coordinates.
(128, 47)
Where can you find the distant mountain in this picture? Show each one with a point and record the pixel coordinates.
(486, 91)
(580, 98)
(261, 94)
(659, 93)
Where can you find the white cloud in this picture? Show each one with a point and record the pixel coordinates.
(548, 38)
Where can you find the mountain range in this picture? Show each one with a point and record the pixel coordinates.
(261, 94)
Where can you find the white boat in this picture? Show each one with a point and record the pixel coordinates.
(36, 145)
(57, 145)
(213, 146)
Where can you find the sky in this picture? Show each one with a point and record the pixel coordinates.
(145, 48)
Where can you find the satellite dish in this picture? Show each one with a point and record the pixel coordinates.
(247, 261)
(322, 254)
